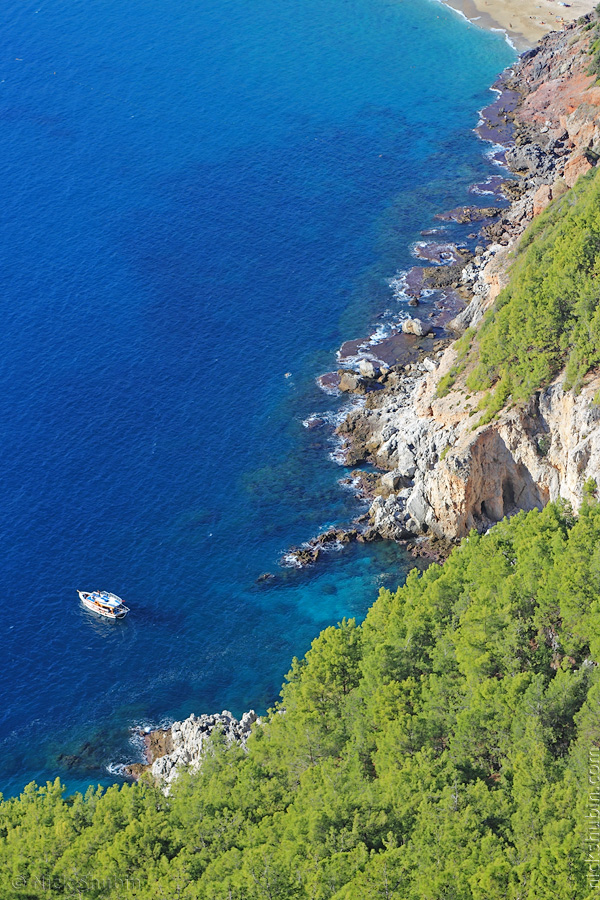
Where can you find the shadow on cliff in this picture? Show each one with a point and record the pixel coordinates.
(497, 485)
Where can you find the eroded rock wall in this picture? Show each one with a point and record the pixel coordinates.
(452, 477)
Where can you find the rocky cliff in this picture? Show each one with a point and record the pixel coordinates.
(445, 474)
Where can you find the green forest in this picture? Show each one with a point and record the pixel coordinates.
(445, 749)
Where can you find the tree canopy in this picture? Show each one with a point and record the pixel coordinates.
(439, 750)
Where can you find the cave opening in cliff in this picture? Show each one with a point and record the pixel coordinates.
(508, 496)
(485, 513)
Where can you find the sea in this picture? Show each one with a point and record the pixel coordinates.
(201, 200)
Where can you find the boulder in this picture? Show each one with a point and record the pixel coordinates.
(416, 326)
(391, 481)
(368, 369)
(350, 382)
(417, 508)
(577, 165)
(405, 462)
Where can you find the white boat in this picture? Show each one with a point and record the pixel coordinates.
(104, 603)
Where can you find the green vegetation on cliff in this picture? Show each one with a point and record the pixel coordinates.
(440, 750)
(548, 318)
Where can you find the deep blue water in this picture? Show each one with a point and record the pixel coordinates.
(198, 197)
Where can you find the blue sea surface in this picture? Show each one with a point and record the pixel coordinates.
(197, 198)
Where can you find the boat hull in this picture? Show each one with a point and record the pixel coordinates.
(107, 613)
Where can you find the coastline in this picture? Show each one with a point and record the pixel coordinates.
(226, 663)
(440, 473)
(448, 468)
(167, 751)
(391, 368)
(524, 22)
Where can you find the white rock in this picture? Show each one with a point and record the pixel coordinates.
(416, 326)
(391, 480)
(247, 720)
(190, 739)
(405, 462)
(368, 369)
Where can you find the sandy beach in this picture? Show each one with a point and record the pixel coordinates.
(525, 21)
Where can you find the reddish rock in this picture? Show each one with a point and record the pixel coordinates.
(577, 165)
(555, 99)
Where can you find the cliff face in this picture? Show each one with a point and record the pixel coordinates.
(449, 475)
(464, 478)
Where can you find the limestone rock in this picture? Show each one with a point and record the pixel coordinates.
(459, 478)
(392, 481)
(388, 517)
(416, 326)
(189, 740)
(405, 461)
(350, 382)
(368, 369)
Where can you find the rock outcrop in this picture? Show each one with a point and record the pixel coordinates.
(416, 326)
(184, 744)
(462, 478)
(445, 474)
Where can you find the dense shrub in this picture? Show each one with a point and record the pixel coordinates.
(548, 317)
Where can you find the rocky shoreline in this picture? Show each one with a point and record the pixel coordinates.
(439, 475)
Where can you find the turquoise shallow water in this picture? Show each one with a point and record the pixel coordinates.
(198, 198)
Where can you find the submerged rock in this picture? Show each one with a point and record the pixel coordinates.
(266, 576)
